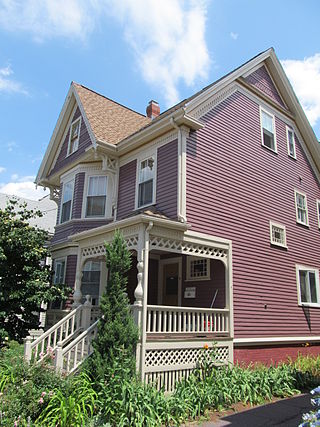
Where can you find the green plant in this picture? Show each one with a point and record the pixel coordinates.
(24, 280)
(72, 408)
(117, 335)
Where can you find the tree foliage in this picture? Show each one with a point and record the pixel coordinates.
(117, 332)
(24, 277)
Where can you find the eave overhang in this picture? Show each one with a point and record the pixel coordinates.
(137, 219)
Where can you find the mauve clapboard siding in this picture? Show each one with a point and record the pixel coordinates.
(71, 270)
(84, 142)
(235, 186)
(78, 195)
(261, 80)
(127, 189)
(63, 231)
(167, 179)
(166, 183)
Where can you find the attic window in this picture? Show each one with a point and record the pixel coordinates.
(268, 134)
(74, 136)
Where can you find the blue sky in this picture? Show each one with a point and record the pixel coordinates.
(134, 51)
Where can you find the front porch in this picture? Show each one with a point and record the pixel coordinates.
(180, 291)
(180, 288)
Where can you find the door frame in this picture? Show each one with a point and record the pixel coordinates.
(162, 263)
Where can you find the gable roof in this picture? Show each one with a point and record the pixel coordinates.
(110, 122)
(121, 129)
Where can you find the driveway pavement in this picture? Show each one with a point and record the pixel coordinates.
(284, 413)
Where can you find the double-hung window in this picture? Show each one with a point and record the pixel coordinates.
(58, 279)
(146, 182)
(59, 271)
(90, 283)
(66, 203)
(74, 136)
(96, 196)
(301, 208)
(308, 285)
(291, 143)
(268, 130)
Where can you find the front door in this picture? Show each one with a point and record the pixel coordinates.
(170, 284)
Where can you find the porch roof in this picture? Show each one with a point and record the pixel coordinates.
(142, 218)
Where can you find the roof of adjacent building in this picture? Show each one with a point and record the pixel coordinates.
(110, 121)
(45, 205)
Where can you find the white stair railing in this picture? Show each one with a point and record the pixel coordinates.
(68, 359)
(61, 332)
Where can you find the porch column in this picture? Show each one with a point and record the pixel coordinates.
(138, 295)
(145, 298)
(77, 295)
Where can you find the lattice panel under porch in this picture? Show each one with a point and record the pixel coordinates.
(185, 356)
(163, 367)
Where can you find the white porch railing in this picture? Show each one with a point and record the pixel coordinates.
(186, 320)
(68, 359)
(59, 333)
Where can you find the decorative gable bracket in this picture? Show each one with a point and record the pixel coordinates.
(54, 194)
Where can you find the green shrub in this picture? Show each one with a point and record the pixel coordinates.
(72, 408)
(117, 335)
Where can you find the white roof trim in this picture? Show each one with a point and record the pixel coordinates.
(58, 132)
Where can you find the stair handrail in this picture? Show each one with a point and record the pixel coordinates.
(62, 352)
(31, 345)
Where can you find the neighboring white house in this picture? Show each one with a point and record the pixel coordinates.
(45, 205)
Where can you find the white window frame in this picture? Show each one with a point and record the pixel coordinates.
(318, 212)
(283, 228)
(152, 154)
(76, 144)
(59, 260)
(61, 203)
(110, 194)
(294, 155)
(314, 270)
(87, 195)
(306, 224)
(197, 279)
(263, 110)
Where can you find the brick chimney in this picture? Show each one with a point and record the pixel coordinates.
(153, 109)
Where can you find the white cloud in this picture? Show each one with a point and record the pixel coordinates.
(233, 35)
(8, 84)
(2, 169)
(23, 187)
(304, 76)
(47, 18)
(167, 37)
(168, 40)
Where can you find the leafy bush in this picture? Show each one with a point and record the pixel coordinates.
(71, 408)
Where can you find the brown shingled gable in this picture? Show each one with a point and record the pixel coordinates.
(109, 121)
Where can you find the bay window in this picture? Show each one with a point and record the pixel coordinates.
(96, 196)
